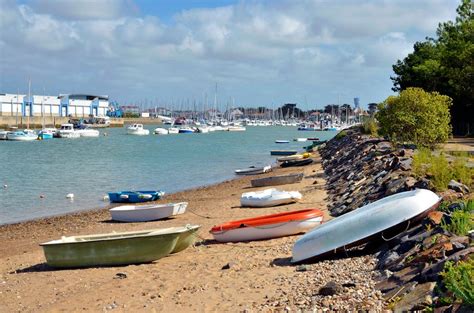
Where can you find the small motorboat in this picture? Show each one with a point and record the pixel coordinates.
(173, 130)
(282, 141)
(137, 129)
(67, 131)
(87, 131)
(22, 135)
(268, 197)
(300, 139)
(236, 128)
(47, 133)
(145, 213)
(254, 170)
(294, 157)
(160, 131)
(203, 129)
(277, 180)
(186, 130)
(135, 196)
(268, 226)
(118, 248)
(283, 152)
(291, 163)
(368, 223)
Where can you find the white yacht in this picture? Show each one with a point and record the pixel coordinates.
(137, 129)
(67, 131)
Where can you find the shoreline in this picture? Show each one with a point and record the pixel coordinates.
(259, 273)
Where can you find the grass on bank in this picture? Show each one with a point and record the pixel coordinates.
(439, 170)
(459, 280)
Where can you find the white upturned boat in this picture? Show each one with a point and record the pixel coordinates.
(366, 223)
(137, 129)
(67, 131)
(253, 170)
(268, 226)
(268, 197)
(160, 131)
(144, 213)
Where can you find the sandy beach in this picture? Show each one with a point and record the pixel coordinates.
(259, 277)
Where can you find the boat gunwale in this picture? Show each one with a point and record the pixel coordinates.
(145, 207)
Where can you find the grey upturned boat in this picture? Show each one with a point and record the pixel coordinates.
(277, 180)
(118, 248)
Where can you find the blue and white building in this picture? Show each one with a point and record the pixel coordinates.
(76, 105)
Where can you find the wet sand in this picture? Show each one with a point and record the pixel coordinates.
(192, 280)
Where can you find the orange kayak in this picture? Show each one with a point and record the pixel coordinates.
(268, 226)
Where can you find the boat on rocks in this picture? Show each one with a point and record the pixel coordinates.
(254, 170)
(377, 220)
(294, 157)
(137, 129)
(268, 226)
(160, 131)
(118, 248)
(145, 213)
(268, 197)
(283, 152)
(135, 196)
(292, 163)
(277, 180)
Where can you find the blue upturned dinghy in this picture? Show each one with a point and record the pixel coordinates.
(135, 196)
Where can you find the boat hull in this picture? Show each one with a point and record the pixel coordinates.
(145, 213)
(277, 180)
(117, 248)
(293, 163)
(254, 170)
(357, 227)
(283, 152)
(269, 226)
(134, 196)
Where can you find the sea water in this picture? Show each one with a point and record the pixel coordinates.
(35, 177)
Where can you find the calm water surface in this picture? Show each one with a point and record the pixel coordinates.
(91, 167)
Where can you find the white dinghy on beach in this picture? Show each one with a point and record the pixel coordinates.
(269, 197)
(145, 213)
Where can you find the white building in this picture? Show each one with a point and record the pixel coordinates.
(77, 105)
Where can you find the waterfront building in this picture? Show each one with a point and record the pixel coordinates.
(76, 105)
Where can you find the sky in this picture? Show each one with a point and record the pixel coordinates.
(257, 53)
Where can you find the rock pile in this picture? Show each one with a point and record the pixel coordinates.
(411, 266)
(361, 169)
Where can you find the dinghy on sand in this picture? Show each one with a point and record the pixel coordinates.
(268, 226)
(135, 196)
(277, 180)
(291, 163)
(118, 248)
(294, 157)
(373, 221)
(253, 170)
(268, 197)
(145, 213)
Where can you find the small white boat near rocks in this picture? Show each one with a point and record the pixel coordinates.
(369, 222)
(269, 197)
(144, 213)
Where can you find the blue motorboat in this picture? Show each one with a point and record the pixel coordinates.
(45, 134)
(135, 196)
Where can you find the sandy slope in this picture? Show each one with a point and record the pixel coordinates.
(192, 280)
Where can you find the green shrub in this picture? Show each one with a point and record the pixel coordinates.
(425, 163)
(415, 116)
(341, 135)
(370, 127)
(461, 223)
(459, 279)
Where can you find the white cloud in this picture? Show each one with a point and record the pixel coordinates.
(256, 50)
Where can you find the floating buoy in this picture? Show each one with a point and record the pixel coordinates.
(106, 198)
(41, 196)
(70, 196)
(5, 186)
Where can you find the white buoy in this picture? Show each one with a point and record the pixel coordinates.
(70, 196)
(5, 186)
(106, 198)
